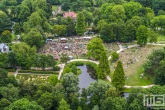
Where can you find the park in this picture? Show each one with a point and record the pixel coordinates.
(81, 54)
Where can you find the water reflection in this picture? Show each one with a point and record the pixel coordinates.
(86, 77)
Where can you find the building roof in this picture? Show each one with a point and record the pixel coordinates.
(70, 14)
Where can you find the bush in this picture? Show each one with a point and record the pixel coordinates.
(56, 68)
(37, 72)
(68, 68)
(94, 66)
(115, 56)
(11, 70)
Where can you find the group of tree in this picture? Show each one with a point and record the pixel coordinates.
(155, 66)
(25, 56)
(65, 95)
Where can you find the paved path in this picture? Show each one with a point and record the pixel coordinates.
(107, 77)
(16, 72)
(61, 70)
(83, 60)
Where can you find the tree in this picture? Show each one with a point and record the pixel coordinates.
(116, 103)
(60, 30)
(153, 37)
(34, 38)
(119, 76)
(4, 103)
(74, 69)
(70, 28)
(10, 92)
(5, 22)
(142, 35)
(53, 79)
(23, 53)
(95, 48)
(115, 56)
(132, 9)
(17, 28)
(80, 23)
(6, 37)
(70, 83)
(58, 93)
(48, 103)
(118, 13)
(4, 60)
(104, 68)
(24, 104)
(34, 20)
(24, 13)
(88, 17)
(97, 91)
(3, 76)
(63, 105)
(153, 61)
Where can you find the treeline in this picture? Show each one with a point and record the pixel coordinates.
(24, 56)
(65, 95)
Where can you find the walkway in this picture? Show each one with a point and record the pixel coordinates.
(16, 72)
(107, 77)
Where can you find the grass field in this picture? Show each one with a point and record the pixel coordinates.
(29, 77)
(54, 7)
(133, 60)
(111, 47)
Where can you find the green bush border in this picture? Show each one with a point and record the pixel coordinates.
(37, 72)
(68, 66)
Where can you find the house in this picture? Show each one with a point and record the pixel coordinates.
(70, 14)
(4, 48)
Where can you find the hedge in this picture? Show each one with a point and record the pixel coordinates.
(56, 68)
(94, 66)
(37, 71)
(11, 70)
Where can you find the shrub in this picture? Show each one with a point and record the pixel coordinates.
(56, 68)
(37, 72)
(115, 56)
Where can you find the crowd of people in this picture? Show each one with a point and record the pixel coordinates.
(74, 47)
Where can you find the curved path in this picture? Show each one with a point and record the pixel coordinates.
(107, 77)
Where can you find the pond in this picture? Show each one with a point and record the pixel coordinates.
(86, 77)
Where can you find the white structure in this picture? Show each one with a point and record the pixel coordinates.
(4, 48)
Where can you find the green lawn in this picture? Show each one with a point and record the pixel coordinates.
(13, 37)
(54, 7)
(137, 80)
(161, 38)
(133, 60)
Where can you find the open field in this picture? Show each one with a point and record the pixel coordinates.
(111, 47)
(28, 77)
(55, 7)
(133, 60)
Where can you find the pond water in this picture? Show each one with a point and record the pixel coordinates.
(86, 77)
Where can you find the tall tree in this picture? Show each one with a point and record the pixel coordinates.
(104, 68)
(70, 83)
(116, 103)
(63, 105)
(24, 104)
(119, 76)
(6, 37)
(5, 22)
(70, 28)
(17, 28)
(80, 24)
(34, 38)
(142, 35)
(95, 48)
(97, 92)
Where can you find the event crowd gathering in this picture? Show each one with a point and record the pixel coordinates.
(74, 47)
